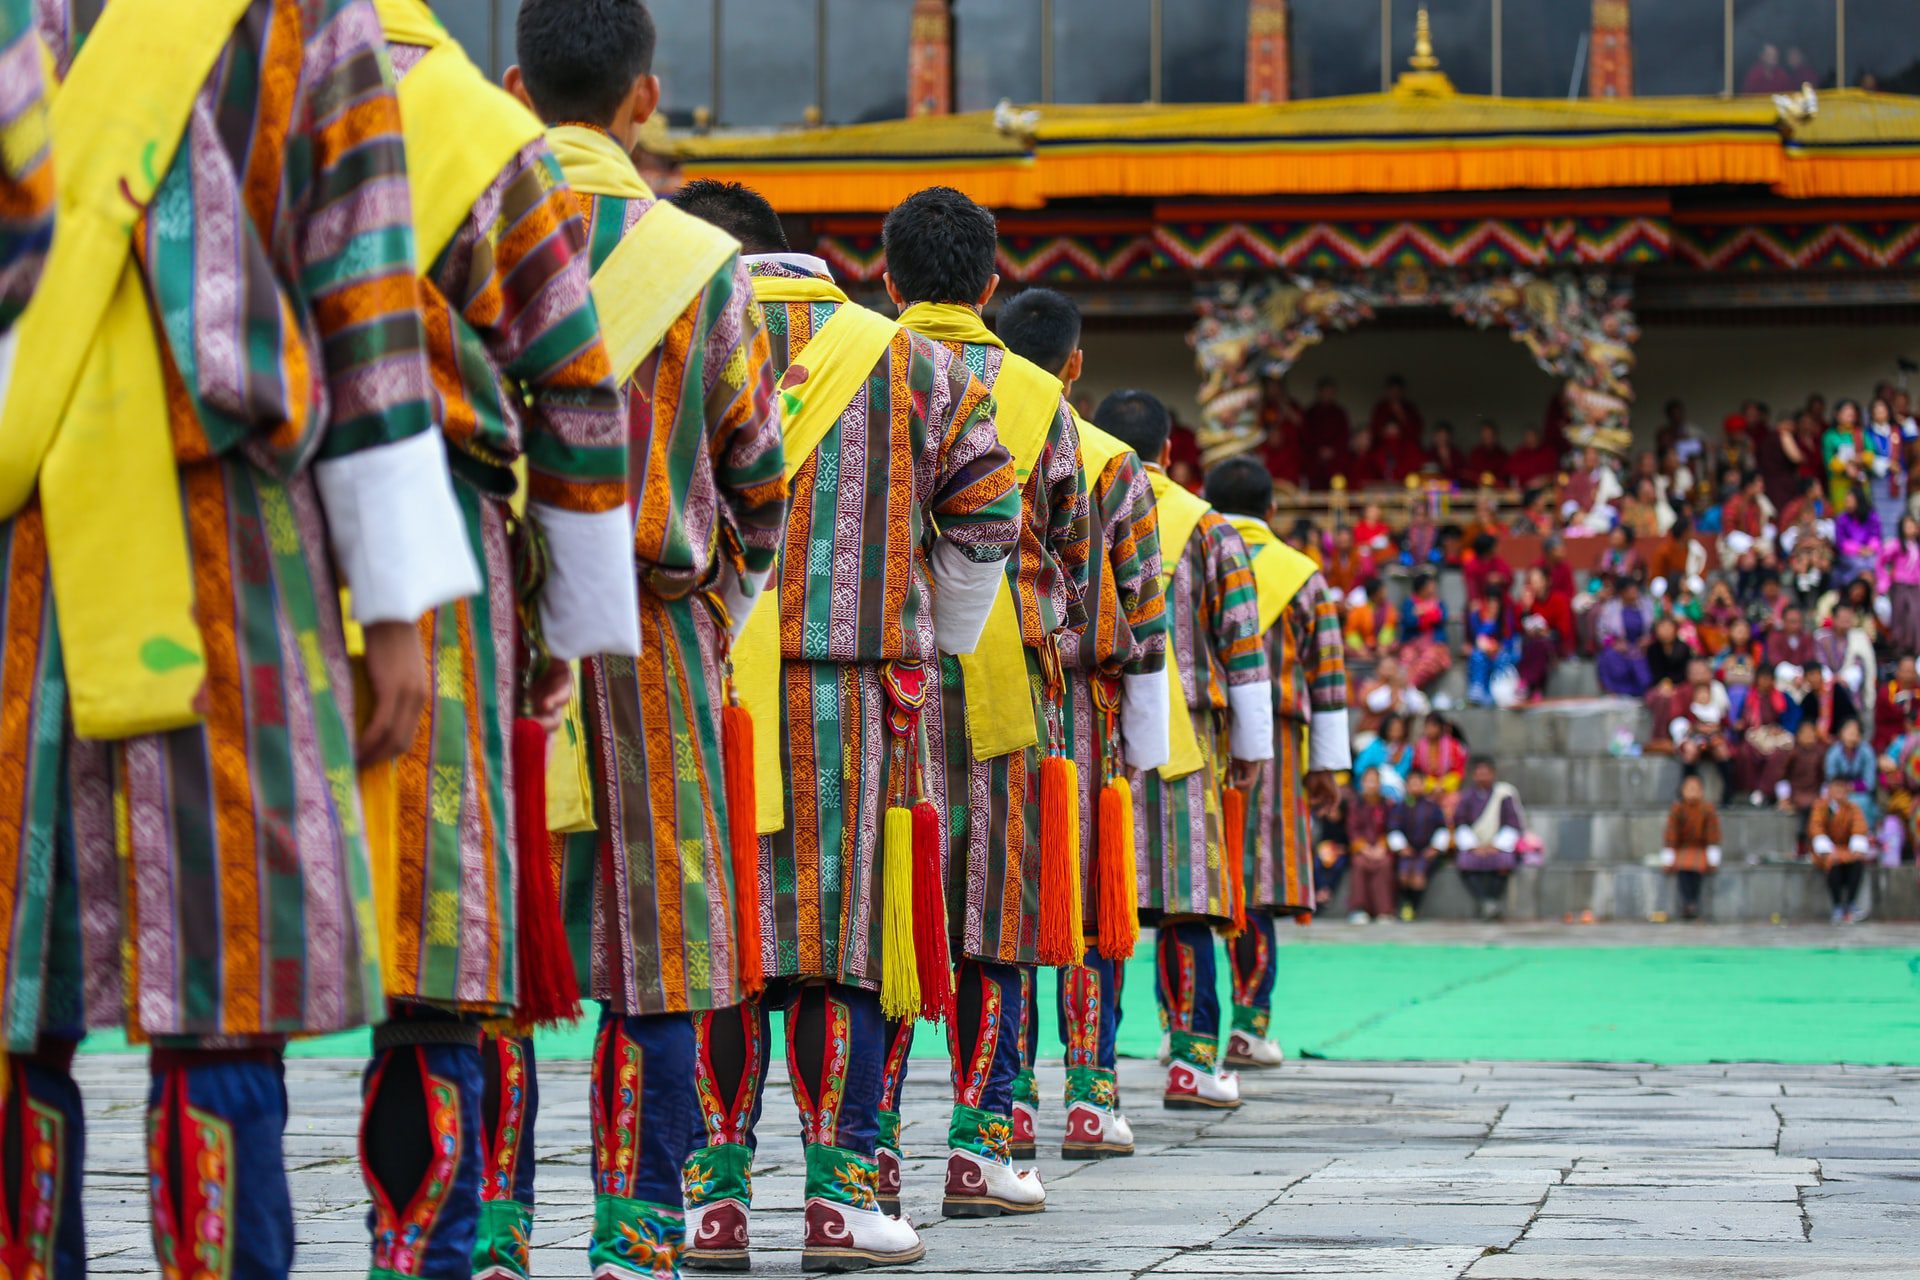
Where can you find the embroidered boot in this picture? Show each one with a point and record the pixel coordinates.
(635, 1240)
(1095, 1128)
(718, 1182)
(1193, 1084)
(1248, 1045)
(981, 1179)
(1026, 1115)
(886, 1154)
(845, 1229)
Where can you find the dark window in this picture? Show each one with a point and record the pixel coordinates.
(471, 22)
(867, 47)
(768, 60)
(1462, 40)
(1203, 51)
(683, 56)
(1102, 50)
(1543, 46)
(1335, 47)
(996, 52)
(1779, 45)
(1883, 42)
(1679, 46)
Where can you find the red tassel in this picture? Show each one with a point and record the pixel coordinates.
(1233, 816)
(549, 988)
(736, 754)
(1059, 864)
(930, 916)
(1118, 915)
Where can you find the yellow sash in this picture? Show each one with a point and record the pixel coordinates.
(460, 129)
(657, 268)
(839, 359)
(1278, 570)
(1180, 513)
(86, 414)
(1000, 712)
(796, 289)
(1097, 449)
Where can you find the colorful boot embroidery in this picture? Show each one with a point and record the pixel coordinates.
(635, 1239)
(841, 1176)
(505, 1229)
(401, 1237)
(191, 1221)
(30, 1230)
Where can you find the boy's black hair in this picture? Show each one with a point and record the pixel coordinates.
(1476, 761)
(940, 247)
(736, 209)
(580, 58)
(1240, 487)
(1138, 420)
(1041, 324)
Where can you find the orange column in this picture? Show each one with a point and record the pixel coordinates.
(1610, 61)
(1267, 57)
(930, 60)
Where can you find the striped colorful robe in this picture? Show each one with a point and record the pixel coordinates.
(1214, 638)
(518, 371)
(916, 446)
(1125, 632)
(213, 881)
(992, 807)
(26, 168)
(1308, 660)
(649, 895)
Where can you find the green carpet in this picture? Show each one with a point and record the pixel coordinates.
(1600, 1004)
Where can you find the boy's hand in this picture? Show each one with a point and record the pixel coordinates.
(1244, 773)
(548, 695)
(397, 677)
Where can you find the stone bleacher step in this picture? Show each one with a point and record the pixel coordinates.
(1618, 837)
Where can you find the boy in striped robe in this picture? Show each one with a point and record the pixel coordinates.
(990, 723)
(185, 854)
(1116, 706)
(520, 376)
(649, 891)
(1300, 621)
(1221, 730)
(902, 498)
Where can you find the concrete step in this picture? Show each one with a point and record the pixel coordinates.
(1571, 727)
(1627, 836)
(1603, 782)
(1574, 678)
(1739, 893)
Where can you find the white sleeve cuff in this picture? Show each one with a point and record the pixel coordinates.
(1379, 699)
(1442, 840)
(590, 602)
(1251, 735)
(398, 536)
(1145, 718)
(1668, 857)
(1463, 838)
(1860, 844)
(740, 595)
(963, 591)
(1713, 855)
(1782, 789)
(1396, 842)
(1822, 844)
(1506, 840)
(1329, 745)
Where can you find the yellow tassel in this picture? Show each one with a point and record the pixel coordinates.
(899, 976)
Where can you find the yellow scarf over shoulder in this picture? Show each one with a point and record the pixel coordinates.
(85, 420)
(1001, 717)
(1180, 513)
(1278, 570)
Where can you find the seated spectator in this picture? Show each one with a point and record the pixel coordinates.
(1486, 520)
(1492, 645)
(1346, 565)
(1899, 792)
(1677, 557)
(1676, 433)
(1841, 846)
(1593, 488)
(1827, 704)
(1389, 692)
(1791, 643)
(1533, 465)
(1899, 581)
(1328, 433)
(1623, 631)
(1852, 761)
(1845, 648)
(1330, 850)
(1485, 570)
(1445, 465)
(1418, 836)
(1452, 546)
(1361, 470)
(1698, 727)
(1553, 563)
(1489, 836)
(1747, 512)
(1487, 462)
(1546, 633)
(1692, 848)
(1540, 516)
(1372, 534)
(1390, 755)
(1371, 897)
(1804, 511)
(1856, 536)
(1395, 409)
(1643, 513)
(1806, 774)
(1395, 455)
(1423, 633)
(1370, 623)
(1737, 663)
(1280, 413)
(1717, 616)
(1895, 704)
(1440, 757)
(1621, 559)
(1762, 741)
(1420, 540)
(1667, 657)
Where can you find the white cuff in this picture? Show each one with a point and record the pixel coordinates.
(1379, 699)
(1668, 857)
(398, 536)
(1396, 842)
(1782, 789)
(1713, 855)
(963, 591)
(1442, 840)
(1822, 844)
(1329, 746)
(1145, 718)
(1250, 737)
(1506, 840)
(740, 595)
(590, 603)
(1860, 844)
(1463, 838)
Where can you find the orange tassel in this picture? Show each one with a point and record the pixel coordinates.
(930, 915)
(736, 753)
(1118, 916)
(1059, 864)
(549, 988)
(1233, 816)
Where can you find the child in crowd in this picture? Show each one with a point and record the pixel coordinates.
(1372, 535)
(1417, 834)
(1423, 629)
(1841, 847)
(1330, 850)
(1371, 897)
(1692, 848)
(1441, 758)
(1491, 645)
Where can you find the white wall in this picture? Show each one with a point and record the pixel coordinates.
(1463, 374)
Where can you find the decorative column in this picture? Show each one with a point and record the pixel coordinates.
(1610, 64)
(930, 60)
(1267, 52)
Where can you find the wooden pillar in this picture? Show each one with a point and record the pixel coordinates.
(930, 60)
(1267, 52)
(1610, 62)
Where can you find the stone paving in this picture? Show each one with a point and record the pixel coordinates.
(1490, 1171)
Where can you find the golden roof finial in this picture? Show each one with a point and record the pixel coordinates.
(1423, 76)
(1423, 59)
